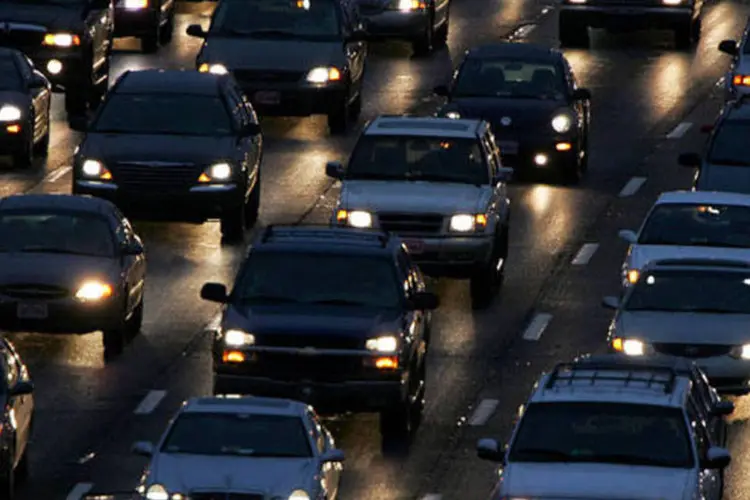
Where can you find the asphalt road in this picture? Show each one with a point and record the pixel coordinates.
(481, 364)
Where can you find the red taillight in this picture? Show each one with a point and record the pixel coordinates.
(741, 80)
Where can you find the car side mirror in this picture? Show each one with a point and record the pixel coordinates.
(143, 448)
(581, 94)
(489, 449)
(358, 36)
(335, 170)
(628, 235)
(22, 388)
(728, 47)
(692, 160)
(332, 456)
(38, 81)
(716, 458)
(196, 30)
(611, 302)
(723, 408)
(442, 91)
(79, 123)
(133, 247)
(424, 301)
(251, 129)
(504, 174)
(215, 292)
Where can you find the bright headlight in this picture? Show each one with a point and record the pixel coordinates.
(632, 276)
(216, 69)
(157, 492)
(93, 291)
(220, 171)
(407, 5)
(462, 223)
(631, 347)
(61, 40)
(453, 115)
(10, 114)
(744, 351)
(561, 123)
(359, 218)
(237, 338)
(671, 2)
(323, 75)
(299, 495)
(94, 169)
(135, 4)
(387, 343)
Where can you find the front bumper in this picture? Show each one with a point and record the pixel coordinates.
(451, 256)
(135, 22)
(539, 153)
(626, 17)
(295, 99)
(397, 24)
(12, 141)
(66, 315)
(73, 70)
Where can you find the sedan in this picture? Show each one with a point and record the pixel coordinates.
(70, 264)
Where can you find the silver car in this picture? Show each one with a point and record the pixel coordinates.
(275, 449)
(422, 22)
(737, 79)
(689, 308)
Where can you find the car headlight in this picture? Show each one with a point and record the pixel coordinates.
(216, 69)
(354, 218)
(157, 492)
(632, 276)
(562, 123)
(741, 351)
(218, 172)
(94, 291)
(453, 115)
(135, 4)
(238, 338)
(409, 5)
(10, 113)
(323, 75)
(631, 347)
(466, 223)
(386, 343)
(94, 169)
(61, 40)
(299, 495)
(671, 2)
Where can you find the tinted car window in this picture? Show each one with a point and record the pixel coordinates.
(10, 78)
(418, 159)
(510, 78)
(730, 145)
(318, 278)
(697, 225)
(277, 18)
(233, 434)
(603, 433)
(178, 114)
(691, 291)
(75, 233)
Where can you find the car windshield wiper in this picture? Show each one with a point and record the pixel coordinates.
(268, 298)
(51, 250)
(619, 458)
(236, 450)
(339, 302)
(729, 161)
(442, 178)
(544, 454)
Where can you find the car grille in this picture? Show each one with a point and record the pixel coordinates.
(693, 350)
(411, 223)
(22, 36)
(33, 291)
(226, 496)
(267, 76)
(159, 179)
(320, 368)
(317, 341)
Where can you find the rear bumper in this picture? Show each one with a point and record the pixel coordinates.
(63, 316)
(396, 24)
(295, 99)
(626, 18)
(135, 22)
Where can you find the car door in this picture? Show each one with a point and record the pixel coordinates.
(709, 480)
(579, 107)
(22, 406)
(133, 266)
(41, 97)
(415, 322)
(99, 23)
(497, 209)
(324, 442)
(245, 146)
(355, 52)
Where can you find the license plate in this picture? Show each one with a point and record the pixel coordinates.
(414, 246)
(268, 97)
(508, 148)
(32, 311)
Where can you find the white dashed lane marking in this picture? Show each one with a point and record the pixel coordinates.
(79, 490)
(679, 130)
(584, 254)
(483, 412)
(632, 186)
(150, 402)
(58, 174)
(537, 326)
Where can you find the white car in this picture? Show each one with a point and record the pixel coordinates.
(737, 79)
(692, 225)
(597, 430)
(261, 448)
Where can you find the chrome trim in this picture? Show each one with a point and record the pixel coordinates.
(97, 185)
(214, 188)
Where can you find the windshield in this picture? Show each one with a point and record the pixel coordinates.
(697, 225)
(44, 232)
(238, 434)
(277, 19)
(418, 159)
(316, 278)
(169, 114)
(509, 78)
(612, 433)
(691, 291)
(730, 145)
(10, 78)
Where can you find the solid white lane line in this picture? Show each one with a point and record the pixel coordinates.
(56, 175)
(632, 186)
(432, 496)
(584, 254)
(150, 402)
(537, 326)
(79, 490)
(679, 130)
(483, 412)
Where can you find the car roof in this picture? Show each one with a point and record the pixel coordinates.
(56, 201)
(232, 404)
(168, 81)
(514, 50)
(703, 198)
(393, 125)
(681, 366)
(325, 239)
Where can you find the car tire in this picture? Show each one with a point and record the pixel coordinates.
(113, 339)
(338, 119)
(355, 108)
(252, 206)
(150, 42)
(572, 171)
(398, 423)
(167, 31)
(486, 282)
(23, 470)
(41, 148)
(135, 323)
(423, 45)
(233, 225)
(24, 158)
(8, 480)
(573, 34)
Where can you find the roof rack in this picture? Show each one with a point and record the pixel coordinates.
(570, 372)
(679, 365)
(273, 232)
(739, 264)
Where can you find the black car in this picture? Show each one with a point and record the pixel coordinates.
(292, 57)
(16, 395)
(530, 96)
(152, 21)
(70, 264)
(175, 145)
(725, 163)
(336, 317)
(70, 41)
(25, 98)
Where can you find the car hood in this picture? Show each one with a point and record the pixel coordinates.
(640, 255)
(590, 480)
(15, 98)
(271, 476)
(271, 54)
(53, 17)
(67, 271)
(525, 114)
(135, 147)
(414, 197)
(733, 179)
(684, 328)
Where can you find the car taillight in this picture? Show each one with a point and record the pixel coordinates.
(741, 80)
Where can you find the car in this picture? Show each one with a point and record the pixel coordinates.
(145, 151)
(25, 99)
(725, 163)
(150, 21)
(737, 79)
(70, 264)
(438, 183)
(242, 447)
(529, 94)
(291, 57)
(689, 224)
(337, 317)
(697, 309)
(424, 24)
(682, 17)
(70, 41)
(638, 429)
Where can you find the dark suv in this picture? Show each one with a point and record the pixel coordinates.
(337, 317)
(70, 41)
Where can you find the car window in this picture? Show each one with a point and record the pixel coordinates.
(314, 19)
(729, 145)
(10, 76)
(418, 159)
(510, 78)
(167, 114)
(697, 225)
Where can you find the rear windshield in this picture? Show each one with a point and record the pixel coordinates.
(697, 225)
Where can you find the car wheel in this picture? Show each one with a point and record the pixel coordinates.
(355, 108)
(422, 46)
(338, 119)
(41, 148)
(573, 34)
(399, 422)
(23, 471)
(252, 207)
(113, 339)
(150, 42)
(136, 321)
(24, 157)
(167, 31)
(233, 225)
(487, 281)
(8, 479)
